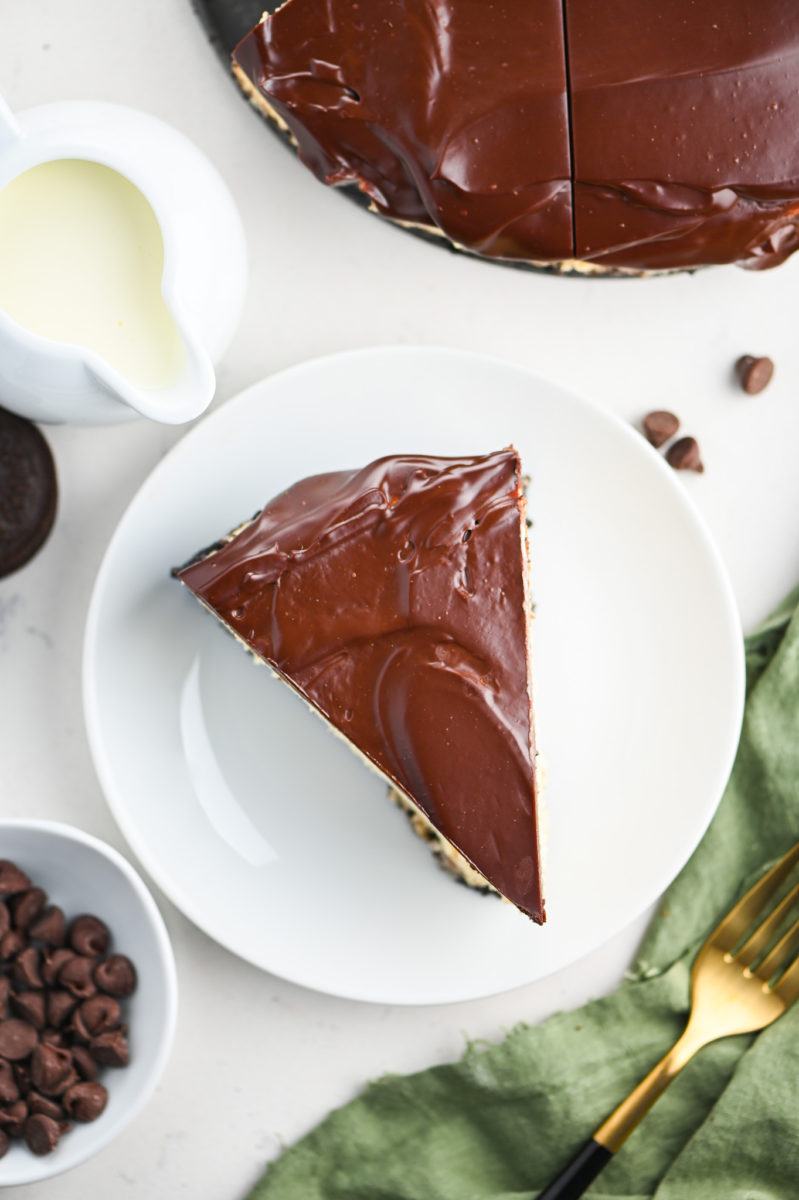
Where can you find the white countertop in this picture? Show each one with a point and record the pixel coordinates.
(258, 1061)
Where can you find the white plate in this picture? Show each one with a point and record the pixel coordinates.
(270, 834)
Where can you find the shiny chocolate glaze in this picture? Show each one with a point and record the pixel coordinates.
(685, 131)
(630, 135)
(393, 599)
(446, 113)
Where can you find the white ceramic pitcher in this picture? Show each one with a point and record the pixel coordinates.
(204, 273)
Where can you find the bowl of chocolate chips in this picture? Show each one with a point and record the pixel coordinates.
(88, 997)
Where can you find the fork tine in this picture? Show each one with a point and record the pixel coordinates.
(777, 957)
(759, 940)
(787, 988)
(729, 931)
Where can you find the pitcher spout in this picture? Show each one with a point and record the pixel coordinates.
(182, 397)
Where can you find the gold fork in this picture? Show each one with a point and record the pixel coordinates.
(740, 983)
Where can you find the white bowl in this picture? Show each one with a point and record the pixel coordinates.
(83, 875)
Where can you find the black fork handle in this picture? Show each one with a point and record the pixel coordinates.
(579, 1174)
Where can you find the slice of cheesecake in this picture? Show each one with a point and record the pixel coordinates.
(394, 599)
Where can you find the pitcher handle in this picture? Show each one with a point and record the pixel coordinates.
(9, 127)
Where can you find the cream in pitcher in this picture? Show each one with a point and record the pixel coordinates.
(122, 266)
(81, 260)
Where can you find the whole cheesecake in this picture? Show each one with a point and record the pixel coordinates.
(394, 600)
(622, 136)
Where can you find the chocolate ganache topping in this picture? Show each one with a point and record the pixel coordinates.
(615, 134)
(394, 600)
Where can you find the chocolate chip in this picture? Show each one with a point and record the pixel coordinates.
(85, 1101)
(50, 1069)
(88, 935)
(99, 1014)
(28, 491)
(754, 374)
(42, 1133)
(69, 1080)
(684, 455)
(110, 1049)
(49, 927)
(59, 1007)
(76, 977)
(45, 1105)
(85, 1064)
(23, 1077)
(9, 1088)
(26, 968)
(12, 880)
(17, 1039)
(63, 1027)
(10, 944)
(26, 906)
(116, 976)
(12, 1117)
(659, 426)
(77, 1030)
(52, 962)
(29, 1006)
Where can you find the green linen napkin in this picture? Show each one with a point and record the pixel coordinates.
(499, 1124)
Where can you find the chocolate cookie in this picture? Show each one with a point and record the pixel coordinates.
(28, 491)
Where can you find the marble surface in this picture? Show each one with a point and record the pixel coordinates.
(258, 1061)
